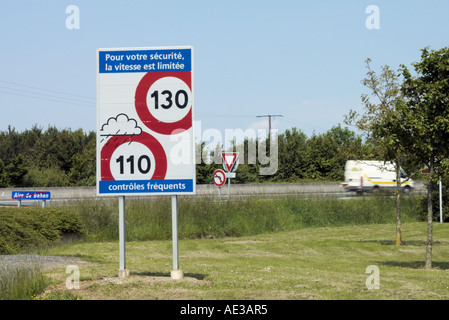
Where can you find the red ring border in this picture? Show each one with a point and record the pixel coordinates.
(146, 139)
(143, 111)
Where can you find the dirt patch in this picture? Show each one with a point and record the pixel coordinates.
(40, 261)
(244, 242)
(136, 287)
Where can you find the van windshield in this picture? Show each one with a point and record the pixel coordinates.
(403, 174)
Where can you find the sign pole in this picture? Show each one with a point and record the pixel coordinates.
(176, 273)
(219, 180)
(230, 164)
(123, 273)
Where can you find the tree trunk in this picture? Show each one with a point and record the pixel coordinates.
(398, 203)
(429, 218)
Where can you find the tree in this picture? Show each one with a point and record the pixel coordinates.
(16, 171)
(328, 152)
(35, 158)
(3, 179)
(204, 166)
(83, 169)
(383, 124)
(426, 115)
(291, 146)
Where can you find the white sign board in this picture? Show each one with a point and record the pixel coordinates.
(145, 133)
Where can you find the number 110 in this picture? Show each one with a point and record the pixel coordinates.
(143, 164)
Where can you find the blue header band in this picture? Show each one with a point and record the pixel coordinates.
(117, 61)
(146, 186)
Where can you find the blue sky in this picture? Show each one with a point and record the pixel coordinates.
(303, 60)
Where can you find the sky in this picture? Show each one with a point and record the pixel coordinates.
(302, 60)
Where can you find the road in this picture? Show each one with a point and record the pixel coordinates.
(62, 194)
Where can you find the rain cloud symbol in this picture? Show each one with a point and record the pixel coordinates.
(121, 125)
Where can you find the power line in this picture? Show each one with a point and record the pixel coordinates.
(47, 90)
(216, 115)
(269, 116)
(31, 94)
(55, 99)
(49, 95)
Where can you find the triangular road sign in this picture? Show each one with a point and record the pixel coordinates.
(230, 159)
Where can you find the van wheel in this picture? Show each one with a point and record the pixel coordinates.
(376, 189)
(407, 189)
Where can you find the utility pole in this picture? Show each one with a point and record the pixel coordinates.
(269, 119)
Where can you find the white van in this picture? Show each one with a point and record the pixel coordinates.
(361, 176)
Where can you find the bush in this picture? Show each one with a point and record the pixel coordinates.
(25, 229)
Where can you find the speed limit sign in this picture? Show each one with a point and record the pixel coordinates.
(145, 134)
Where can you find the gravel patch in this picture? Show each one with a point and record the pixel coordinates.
(44, 262)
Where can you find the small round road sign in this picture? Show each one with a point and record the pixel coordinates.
(219, 177)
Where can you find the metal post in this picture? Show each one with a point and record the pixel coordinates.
(174, 213)
(229, 187)
(219, 193)
(441, 201)
(19, 203)
(43, 203)
(123, 272)
(176, 273)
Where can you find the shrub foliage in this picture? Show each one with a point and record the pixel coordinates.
(27, 228)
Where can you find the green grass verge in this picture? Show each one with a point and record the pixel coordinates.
(217, 223)
(311, 263)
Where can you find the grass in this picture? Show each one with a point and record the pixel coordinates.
(319, 263)
(21, 282)
(312, 263)
(283, 248)
(150, 219)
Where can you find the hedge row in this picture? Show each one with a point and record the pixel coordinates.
(27, 228)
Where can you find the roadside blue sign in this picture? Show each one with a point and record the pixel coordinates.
(31, 195)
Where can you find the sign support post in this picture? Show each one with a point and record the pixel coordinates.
(219, 180)
(176, 273)
(230, 164)
(123, 273)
